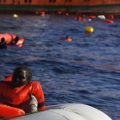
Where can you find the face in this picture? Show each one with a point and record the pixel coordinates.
(21, 77)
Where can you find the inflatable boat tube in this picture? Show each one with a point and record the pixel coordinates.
(67, 112)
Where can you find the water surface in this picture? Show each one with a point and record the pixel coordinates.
(86, 70)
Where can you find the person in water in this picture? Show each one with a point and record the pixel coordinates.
(19, 95)
(3, 44)
(12, 39)
(68, 39)
(8, 37)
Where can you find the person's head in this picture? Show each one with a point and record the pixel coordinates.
(21, 76)
(2, 40)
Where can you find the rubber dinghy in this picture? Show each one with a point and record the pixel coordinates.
(67, 112)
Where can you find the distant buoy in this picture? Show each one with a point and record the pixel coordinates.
(102, 17)
(89, 20)
(15, 15)
(89, 29)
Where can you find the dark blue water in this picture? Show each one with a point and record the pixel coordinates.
(86, 70)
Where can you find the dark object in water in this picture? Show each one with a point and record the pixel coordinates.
(3, 44)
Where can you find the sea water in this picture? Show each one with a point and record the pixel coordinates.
(85, 70)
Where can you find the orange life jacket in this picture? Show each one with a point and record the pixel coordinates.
(17, 96)
(10, 97)
(8, 111)
(8, 37)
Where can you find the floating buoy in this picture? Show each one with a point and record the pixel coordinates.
(89, 29)
(102, 17)
(15, 15)
(89, 20)
(109, 21)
